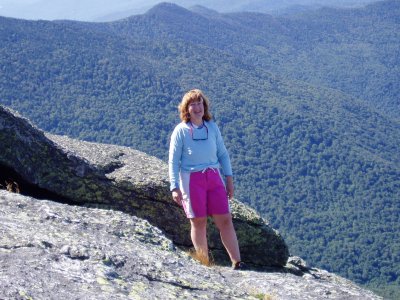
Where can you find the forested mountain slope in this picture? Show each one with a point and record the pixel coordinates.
(321, 164)
(353, 50)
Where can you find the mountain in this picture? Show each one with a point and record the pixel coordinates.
(319, 161)
(102, 10)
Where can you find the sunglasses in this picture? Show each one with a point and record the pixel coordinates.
(198, 134)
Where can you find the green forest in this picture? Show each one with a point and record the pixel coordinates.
(308, 106)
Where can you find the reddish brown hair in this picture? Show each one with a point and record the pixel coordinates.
(195, 95)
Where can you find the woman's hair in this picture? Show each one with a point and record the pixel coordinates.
(190, 97)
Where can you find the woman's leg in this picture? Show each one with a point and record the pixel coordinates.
(228, 235)
(198, 234)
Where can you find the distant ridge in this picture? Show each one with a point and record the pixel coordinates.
(166, 7)
(103, 10)
(202, 10)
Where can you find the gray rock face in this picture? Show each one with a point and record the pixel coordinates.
(120, 178)
(50, 250)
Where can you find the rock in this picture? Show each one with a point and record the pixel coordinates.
(120, 178)
(50, 250)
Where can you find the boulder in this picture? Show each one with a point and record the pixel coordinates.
(121, 178)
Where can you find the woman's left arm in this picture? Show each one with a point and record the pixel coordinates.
(222, 153)
(229, 187)
(224, 160)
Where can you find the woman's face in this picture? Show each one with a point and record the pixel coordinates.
(196, 111)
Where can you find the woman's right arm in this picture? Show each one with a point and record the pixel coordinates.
(175, 156)
(177, 196)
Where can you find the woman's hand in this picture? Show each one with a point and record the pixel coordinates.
(177, 196)
(229, 187)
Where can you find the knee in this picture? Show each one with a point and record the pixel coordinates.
(198, 223)
(224, 223)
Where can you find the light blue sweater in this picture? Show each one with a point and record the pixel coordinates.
(186, 154)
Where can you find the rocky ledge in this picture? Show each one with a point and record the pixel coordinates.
(50, 250)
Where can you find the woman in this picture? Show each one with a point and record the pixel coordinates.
(195, 155)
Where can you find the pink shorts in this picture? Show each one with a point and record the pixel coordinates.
(204, 193)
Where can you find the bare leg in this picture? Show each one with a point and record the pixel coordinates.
(228, 235)
(198, 234)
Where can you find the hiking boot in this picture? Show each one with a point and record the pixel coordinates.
(239, 266)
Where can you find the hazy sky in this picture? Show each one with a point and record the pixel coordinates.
(95, 10)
